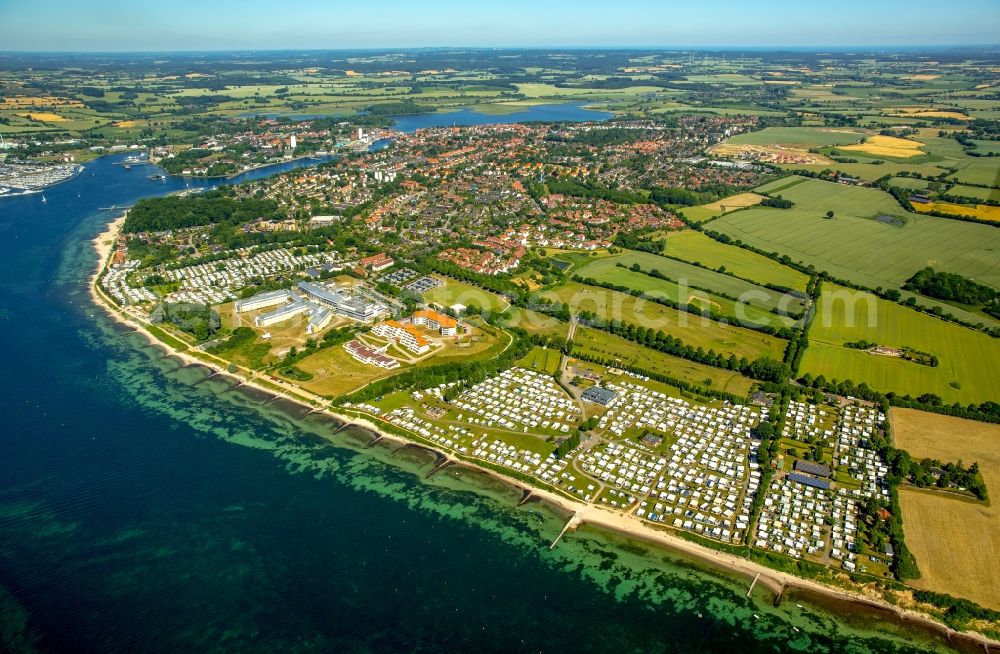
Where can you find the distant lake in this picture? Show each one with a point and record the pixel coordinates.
(573, 111)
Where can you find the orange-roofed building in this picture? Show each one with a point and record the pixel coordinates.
(447, 325)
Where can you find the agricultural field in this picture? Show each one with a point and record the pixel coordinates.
(855, 244)
(910, 183)
(739, 201)
(817, 136)
(680, 288)
(924, 112)
(693, 246)
(980, 211)
(778, 186)
(975, 192)
(970, 539)
(608, 270)
(693, 330)
(700, 214)
(987, 147)
(979, 170)
(967, 359)
(868, 171)
(886, 146)
(597, 343)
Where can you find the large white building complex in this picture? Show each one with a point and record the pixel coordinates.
(263, 300)
(320, 302)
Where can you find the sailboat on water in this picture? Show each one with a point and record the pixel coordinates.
(43, 198)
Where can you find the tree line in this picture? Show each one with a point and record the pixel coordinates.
(211, 208)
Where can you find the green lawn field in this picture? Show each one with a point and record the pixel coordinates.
(968, 360)
(855, 246)
(911, 183)
(692, 329)
(607, 270)
(800, 136)
(661, 288)
(975, 192)
(694, 246)
(869, 172)
(458, 292)
(597, 343)
(981, 170)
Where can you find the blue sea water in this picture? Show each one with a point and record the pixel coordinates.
(147, 506)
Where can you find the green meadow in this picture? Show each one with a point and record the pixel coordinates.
(968, 360)
(695, 247)
(461, 293)
(692, 329)
(683, 277)
(854, 245)
(601, 344)
(800, 136)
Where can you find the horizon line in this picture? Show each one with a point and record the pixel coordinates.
(658, 48)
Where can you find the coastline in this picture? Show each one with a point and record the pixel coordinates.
(777, 582)
(241, 172)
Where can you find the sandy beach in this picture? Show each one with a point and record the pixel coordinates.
(776, 581)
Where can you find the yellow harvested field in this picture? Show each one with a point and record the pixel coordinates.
(45, 116)
(886, 146)
(919, 112)
(923, 77)
(125, 123)
(980, 211)
(956, 542)
(735, 202)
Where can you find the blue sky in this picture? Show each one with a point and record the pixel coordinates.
(106, 25)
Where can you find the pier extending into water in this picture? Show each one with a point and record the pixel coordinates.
(573, 523)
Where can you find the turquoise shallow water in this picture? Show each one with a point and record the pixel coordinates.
(147, 507)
